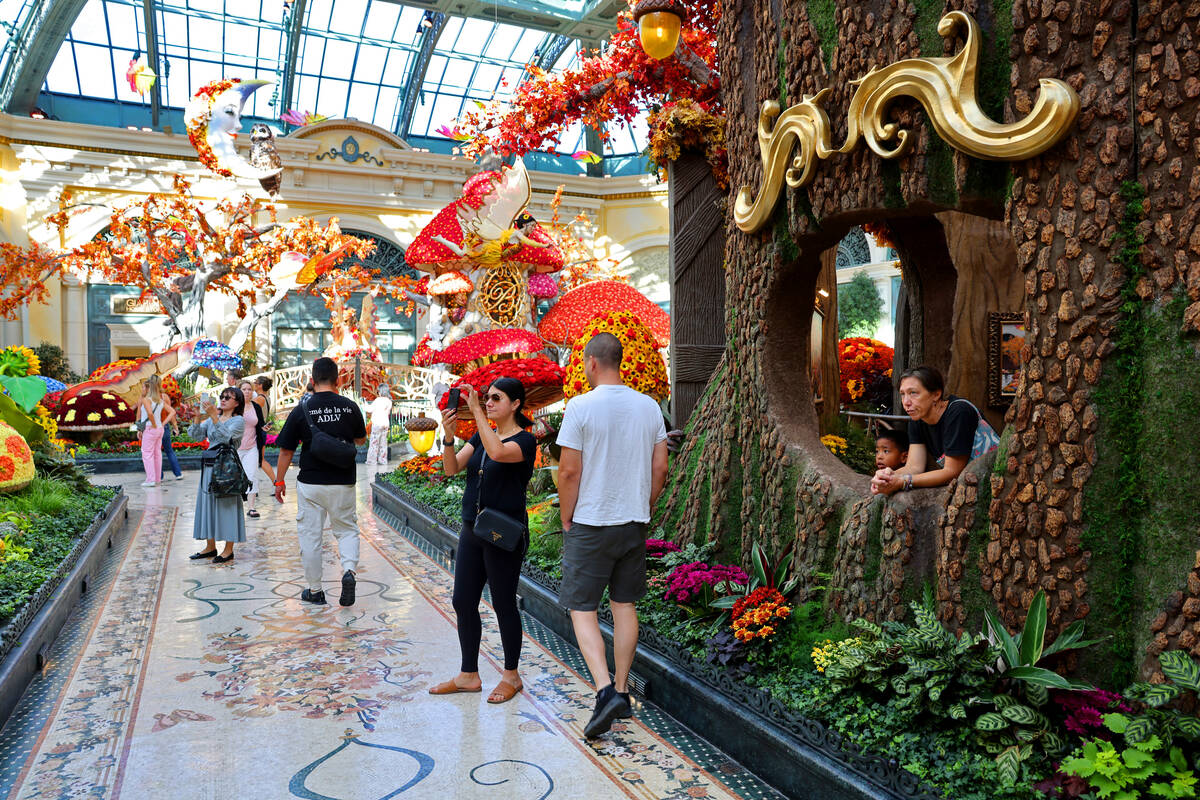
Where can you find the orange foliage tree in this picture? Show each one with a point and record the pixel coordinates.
(179, 252)
(614, 85)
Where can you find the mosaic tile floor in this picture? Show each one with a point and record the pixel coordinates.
(181, 679)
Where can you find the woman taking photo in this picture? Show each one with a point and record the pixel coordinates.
(154, 414)
(499, 464)
(218, 518)
(945, 432)
(248, 452)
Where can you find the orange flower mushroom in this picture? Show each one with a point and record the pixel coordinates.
(566, 321)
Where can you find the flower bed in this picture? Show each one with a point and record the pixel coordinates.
(968, 717)
(39, 527)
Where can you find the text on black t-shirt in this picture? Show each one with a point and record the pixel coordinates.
(333, 414)
(504, 484)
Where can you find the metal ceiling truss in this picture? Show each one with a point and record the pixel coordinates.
(36, 46)
(416, 73)
(152, 60)
(291, 55)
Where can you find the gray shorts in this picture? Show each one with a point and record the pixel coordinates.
(599, 556)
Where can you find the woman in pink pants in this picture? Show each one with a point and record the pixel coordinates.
(152, 412)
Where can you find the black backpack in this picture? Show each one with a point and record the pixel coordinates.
(335, 452)
(228, 479)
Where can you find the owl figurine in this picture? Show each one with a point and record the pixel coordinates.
(263, 155)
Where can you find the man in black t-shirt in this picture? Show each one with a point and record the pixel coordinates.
(323, 488)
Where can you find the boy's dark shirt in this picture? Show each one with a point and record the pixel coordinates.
(333, 414)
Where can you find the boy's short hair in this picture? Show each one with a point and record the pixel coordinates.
(897, 437)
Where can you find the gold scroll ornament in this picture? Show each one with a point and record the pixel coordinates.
(944, 86)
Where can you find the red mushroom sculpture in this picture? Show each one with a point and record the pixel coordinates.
(533, 250)
(482, 348)
(567, 319)
(541, 377)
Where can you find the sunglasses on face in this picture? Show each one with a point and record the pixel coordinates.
(226, 397)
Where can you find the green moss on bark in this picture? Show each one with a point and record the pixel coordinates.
(822, 15)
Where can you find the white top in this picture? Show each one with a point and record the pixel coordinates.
(380, 409)
(155, 414)
(615, 429)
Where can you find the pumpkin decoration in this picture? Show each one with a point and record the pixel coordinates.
(642, 368)
(570, 316)
(16, 460)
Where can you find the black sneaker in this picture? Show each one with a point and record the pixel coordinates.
(627, 713)
(318, 597)
(347, 598)
(609, 706)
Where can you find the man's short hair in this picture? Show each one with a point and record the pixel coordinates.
(236, 374)
(324, 371)
(606, 349)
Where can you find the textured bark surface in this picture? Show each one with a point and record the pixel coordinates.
(752, 467)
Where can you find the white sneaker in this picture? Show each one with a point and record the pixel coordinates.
(149, 483)
(179, 477)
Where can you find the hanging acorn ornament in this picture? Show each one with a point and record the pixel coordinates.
(659, 22)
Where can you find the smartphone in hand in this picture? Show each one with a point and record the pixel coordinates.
(455, 395)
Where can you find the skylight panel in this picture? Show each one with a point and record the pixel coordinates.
(339, 59)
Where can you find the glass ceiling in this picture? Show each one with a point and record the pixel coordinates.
(354, 60)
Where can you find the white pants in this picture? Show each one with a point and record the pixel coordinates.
(377, 447)
(313, 502)
(249, 459)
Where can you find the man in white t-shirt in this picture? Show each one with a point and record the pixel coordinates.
(377, 429)
(612, 468)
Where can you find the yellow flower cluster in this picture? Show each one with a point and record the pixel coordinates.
(756, 623)
(856, 388)
(47, 421)
(642, 368)
(836, 444)
(830, 651)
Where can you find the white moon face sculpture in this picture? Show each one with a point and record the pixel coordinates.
(224, 120)
(502, 205)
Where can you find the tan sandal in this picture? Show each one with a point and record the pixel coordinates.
(450, 687)
(504, 692)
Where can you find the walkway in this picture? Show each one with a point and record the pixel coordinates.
(177, 679)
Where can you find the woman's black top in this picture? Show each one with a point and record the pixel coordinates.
(953, 435)
(504, 484)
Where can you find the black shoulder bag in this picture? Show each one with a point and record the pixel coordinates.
(493, 526)
(335, 452)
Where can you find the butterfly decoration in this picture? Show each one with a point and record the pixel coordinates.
(301, 118)
(164, 721)
(141, 78)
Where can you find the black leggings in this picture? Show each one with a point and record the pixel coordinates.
(478, 563)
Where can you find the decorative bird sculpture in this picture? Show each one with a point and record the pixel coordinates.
(265, 157)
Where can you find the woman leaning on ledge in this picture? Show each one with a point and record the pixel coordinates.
(943, 434)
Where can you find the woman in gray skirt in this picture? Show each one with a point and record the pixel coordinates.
(218, 518)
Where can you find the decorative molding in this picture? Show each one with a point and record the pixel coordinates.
(350, 153)
(945, 87)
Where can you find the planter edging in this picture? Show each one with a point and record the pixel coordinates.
(25, 640)
(808, 760)
(191, 460)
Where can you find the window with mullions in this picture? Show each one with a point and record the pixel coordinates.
(355, 56)
(474, 61)
(199, 41)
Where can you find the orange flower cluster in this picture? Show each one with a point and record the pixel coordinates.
(863, 363)
(758, 614)
(422, 465)
(642, 368)
(683, 127)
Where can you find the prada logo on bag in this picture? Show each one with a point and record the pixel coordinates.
(495, 536)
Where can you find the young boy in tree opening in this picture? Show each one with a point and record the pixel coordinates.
(891, 449)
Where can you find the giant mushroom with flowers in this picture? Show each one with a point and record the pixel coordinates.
(642, 367)
(541, 377)
(482, 348)
(566, 321)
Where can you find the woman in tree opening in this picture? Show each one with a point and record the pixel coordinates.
(499, 465)
(945, 433)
